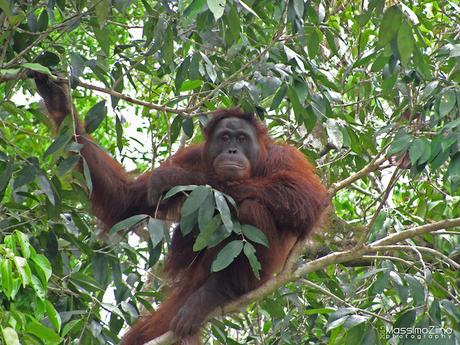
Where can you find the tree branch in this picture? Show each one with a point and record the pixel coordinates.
(331, 259)
(445, 259)
(131, 99)
(16, 74)
(372, 166)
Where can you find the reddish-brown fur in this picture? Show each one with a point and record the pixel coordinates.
(283, 197)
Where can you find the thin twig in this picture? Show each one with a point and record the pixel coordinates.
(131, 99)
(431, 251)
(394, 178)
(372, 166)
(337, 298)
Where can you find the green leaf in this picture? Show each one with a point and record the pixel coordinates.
(254, 234)
(5, 177)
(103, 38)
(247, 8)
(224, 210)
(38, 287)
(25, 176)
(43, 333)
(334, 133)
(179, 189)
(406, 320)
(378, 230)
(6, 270)
(390, 24)
(218, 236)
(188, 85)
(354, 335)
(295, 102)
(95, 116)
(67, 164)
(69, 326)
(400, 144)
(156, 231)
(233, 22)
(182, 73)
(118, 85)
(53, 315)
(370, 337)
(454, 166)
(279, 96)
(416, 150)
(37, 67)
(87, 175)
(10, 336)
(194, 68)
(100, 265)
(330, 41)
(451, 309)
(426, 151)
(194, 200)
(195, 8)
(274, 308)
(45, 187)
(227, 255)
(176, 127)
(429, 89)
(379, 63)
(250, 253)
(416, 289)
(5, 6)
(128, 223)
(354, 320)
(452, 124)
(23, 243)
(336, 323)
(314, 38)
(60, 142)
(388, 84)
(205, 234)
(23, 269)
(187, 223)
(447, 102)
(42, 21)
(435, 312)
(405, 42)
(422, 63)
(77, 64)
(102, 10)
(187, 126)
(206, 212)
(299, 7)
(438, 159)
(217, 8)
(42, 262)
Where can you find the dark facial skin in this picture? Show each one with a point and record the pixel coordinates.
(233, 149)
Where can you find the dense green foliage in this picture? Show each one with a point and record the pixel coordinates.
(345, 82)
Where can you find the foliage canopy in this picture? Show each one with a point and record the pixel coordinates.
(367, 89)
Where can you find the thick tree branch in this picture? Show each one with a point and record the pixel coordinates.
(288, 275)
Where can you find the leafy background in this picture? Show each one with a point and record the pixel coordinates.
(364, 88)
